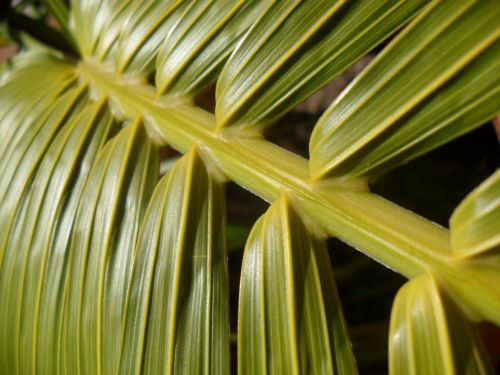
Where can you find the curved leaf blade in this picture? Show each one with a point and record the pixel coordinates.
(112, 17)
(102, 248)
(199, 42)
(481, 303)
(295, 48)
(430, 335)
(52, 293)
(31, 86)
(438, 79)
(23, 156)
(177, 312)
(290, 320)
(125, 33)
(142, 35)
(74, 145)
(23, 161)
(36, 184)
(474, 225)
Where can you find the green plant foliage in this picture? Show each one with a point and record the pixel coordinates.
(226, 21)
(474, 224)
(102, 248)
(430, 335)
(295, 48)
(177, 305)
(109, 267)
(290, 318)
(402, 105)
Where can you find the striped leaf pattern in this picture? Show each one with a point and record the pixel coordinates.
(102, 249)
(430, 335)
(402, 106)
(107, 267)
(30, 244)
(177, 310)
(290, 319)
(474, 224)
(296, 47)
(190, 57)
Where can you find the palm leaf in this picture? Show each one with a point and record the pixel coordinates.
(296, 47)
(50, 309)
(34, 214)
(190, 58)
(474, 240)
(47, 199)
(290, 319)
(103, 269)
(28, 150)
(102, 249)
(402, 106)
(177, 310)
(474, 224)
(28, 88)
(430, 335)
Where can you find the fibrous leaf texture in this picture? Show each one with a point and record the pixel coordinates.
(108, 266)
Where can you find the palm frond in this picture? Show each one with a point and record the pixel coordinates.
(474, 224)
(290, 317)
(199, 41)
(403, 106)
(177, 311)
(106, 268)
(430, 335)
(102, 247)
(295, 48)
(51, 156)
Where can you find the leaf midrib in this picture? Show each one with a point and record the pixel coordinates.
(395, 237)
(182, 126)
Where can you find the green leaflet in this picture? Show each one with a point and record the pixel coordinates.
(177, 312)
(75, 146)
(290, 320)
(20, 162)
(126, 33)
(142, 35)
(102, 248)
(30, 136)
(102, 33)
(29, 232)
(474, 226)
(475, 239)
(199, 41)
(481, 301)
(295, 48)
(19, 121)
(112, 16)
(429, 334)
(27, 90)
(438, 79)
(36, 56)
(83, 31)
(53, 291)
